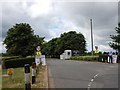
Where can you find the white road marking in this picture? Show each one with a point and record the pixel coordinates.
(92, 80)
(89, 85)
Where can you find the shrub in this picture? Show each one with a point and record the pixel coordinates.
(85, 58)
(103, 56)
(118, 58)
(9, 58)
(18, 62)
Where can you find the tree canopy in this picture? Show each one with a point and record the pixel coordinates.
(115, 44)
(67, 41)
(20, 40)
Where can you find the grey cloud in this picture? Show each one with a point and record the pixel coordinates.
(119, 11)
(101, 12)
(104, 15)
(17, 14)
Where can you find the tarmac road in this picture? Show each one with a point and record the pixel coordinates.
(80, 74)
(0, 77)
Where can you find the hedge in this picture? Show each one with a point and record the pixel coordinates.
(118, 58)
(103, 56)
(9, 58)
(85, 58)
(18, 62)
(94, 58)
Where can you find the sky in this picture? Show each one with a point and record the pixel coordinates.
(51, 18)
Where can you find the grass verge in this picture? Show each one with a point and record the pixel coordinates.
(17, 80)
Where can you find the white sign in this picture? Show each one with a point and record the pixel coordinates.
(43, 59)
(114, 58)
(38, 48)
(37, 60)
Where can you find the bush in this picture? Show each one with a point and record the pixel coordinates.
(18, 62)
(9, 57)
(85, 58)
(103, 56)
(118, 58)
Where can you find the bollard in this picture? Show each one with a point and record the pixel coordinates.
(27, 77)
(33, 72)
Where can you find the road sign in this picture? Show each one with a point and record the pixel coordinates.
(38, 48)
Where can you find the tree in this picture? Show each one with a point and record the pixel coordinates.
(70, 40)
(49, 48)
(115, 44)
(20, 40)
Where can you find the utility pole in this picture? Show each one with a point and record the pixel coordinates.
(91, 36)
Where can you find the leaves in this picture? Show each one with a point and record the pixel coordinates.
(20, 40)
(115, 44)
(67, 41)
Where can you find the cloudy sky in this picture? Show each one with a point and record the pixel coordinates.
(50, 18)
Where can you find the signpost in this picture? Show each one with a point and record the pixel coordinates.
(96, 50)
(38, 50)
(37, 56)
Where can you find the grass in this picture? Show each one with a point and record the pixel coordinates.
(40, 81)
(18, 79)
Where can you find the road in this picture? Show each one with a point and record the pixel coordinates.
(80, 74)
(0, 77)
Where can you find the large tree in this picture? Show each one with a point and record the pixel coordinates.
(20, 40)
(115, 44)
(50, 47)
(67, 41)
(71, 41)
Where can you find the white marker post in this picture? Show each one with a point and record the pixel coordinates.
(27, 77)
(33, 72)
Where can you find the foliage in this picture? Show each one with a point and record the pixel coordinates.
(89, 53)
(118, 58)
(20, 40)
(67, 41)
(116, 39)
(72, 41)
(103, 56)
(85, 58)
(50, 47)
(9, 58)
(18, 62)
(99, 58)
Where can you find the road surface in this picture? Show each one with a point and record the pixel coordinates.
(80, 74)
(0, 77)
